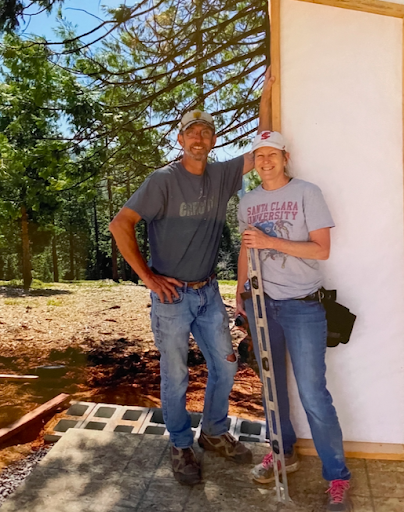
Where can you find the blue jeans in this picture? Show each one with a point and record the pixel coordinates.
(202, 313)
(301, 327)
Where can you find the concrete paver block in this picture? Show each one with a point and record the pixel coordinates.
(80, 409)
(250, 431)
(142, 420)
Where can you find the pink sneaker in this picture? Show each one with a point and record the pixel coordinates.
(264, 472)
(338, 499)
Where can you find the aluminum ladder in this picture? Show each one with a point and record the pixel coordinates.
(268, 376)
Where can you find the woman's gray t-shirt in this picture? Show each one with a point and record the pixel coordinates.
(185, 214)
(289, 212)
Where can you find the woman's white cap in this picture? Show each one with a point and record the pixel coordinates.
(270, 139)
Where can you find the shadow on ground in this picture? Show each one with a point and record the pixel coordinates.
(13, 292)
(90, 471)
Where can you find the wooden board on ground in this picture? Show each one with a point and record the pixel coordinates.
(17, 377)
(31, 417)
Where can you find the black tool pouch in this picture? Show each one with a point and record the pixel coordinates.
(340, 320)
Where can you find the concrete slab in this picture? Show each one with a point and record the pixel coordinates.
(88, 471)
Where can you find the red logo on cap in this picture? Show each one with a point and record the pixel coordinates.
(265, 135)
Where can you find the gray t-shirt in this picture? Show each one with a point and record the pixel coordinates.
(289, 212)
(186, 214)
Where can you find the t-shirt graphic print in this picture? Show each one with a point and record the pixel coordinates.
(290, 212)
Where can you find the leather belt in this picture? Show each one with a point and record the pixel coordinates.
(196, 285)
(318, 296)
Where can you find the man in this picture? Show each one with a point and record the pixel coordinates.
(184, 205)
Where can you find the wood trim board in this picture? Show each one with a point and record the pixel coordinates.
(372, 6)
(358, 450)
(275, 21)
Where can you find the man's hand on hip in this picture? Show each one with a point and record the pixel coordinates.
(163, 286)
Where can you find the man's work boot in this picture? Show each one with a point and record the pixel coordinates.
(338, 499)
(186, 468)
(226, 446)
(264, 473)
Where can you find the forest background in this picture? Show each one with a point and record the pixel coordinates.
(86, 116)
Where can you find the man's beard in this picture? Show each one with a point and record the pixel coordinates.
(199, 156)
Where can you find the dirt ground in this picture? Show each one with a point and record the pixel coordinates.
(93, 340)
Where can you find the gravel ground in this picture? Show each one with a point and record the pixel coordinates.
(14, 475)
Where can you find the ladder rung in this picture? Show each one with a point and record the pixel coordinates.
(266, 374)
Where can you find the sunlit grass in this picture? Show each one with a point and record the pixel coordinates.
(104, 283)
(14, 283)
(228, 283)
(12, 302)
(21, 301)
(54, 302)
(19, 283)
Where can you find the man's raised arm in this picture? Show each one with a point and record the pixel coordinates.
(265, 116)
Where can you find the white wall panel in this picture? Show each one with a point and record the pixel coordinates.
(341, 107)
(401, 2)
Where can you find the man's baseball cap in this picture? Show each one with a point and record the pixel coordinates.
(196, 116)
(270, 139)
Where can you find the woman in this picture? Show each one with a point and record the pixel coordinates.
(289, 222)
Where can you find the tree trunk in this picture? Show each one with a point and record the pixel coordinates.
(71, 252)
(55, 259)
(123, 269)
(128, 272)
(97, 242)
(113, 243)
(26, 256)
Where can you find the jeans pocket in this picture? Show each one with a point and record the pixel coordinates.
(175, 300)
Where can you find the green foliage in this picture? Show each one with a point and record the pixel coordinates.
(230, 244)
(253, 180)
(82, 125)
(12, 11)
(32, 153)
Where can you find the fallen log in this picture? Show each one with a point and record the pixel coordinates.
(31, 417)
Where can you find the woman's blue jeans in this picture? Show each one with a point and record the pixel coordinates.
(202, 313)
(301, 328)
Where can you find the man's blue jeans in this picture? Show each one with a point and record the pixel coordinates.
(202, 313)
(301, 327)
